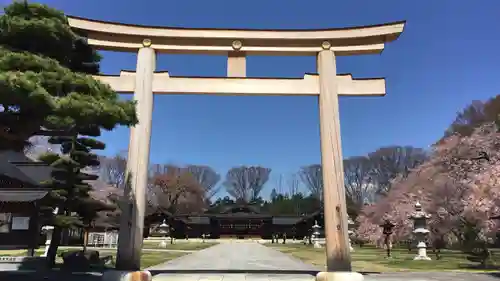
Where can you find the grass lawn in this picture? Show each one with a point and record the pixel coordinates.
(148, 258)
(188, 246)
(370, 259)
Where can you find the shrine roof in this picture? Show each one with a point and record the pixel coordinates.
(22, 195)
(16, 165)
(241, 208)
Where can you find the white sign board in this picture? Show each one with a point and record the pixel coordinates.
(20, 223)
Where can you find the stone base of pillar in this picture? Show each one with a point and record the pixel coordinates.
(421, 258)
(339, 276)
(163, 244)
(422, 252)
(116, 275)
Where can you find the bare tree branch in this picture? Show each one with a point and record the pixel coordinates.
(39, 145)
(357, 181)
(279, 184)
(389, 162)
(113, 170)
(177, 191)
(245, 183)
(207, 178)
(312, 177)
(293, 184)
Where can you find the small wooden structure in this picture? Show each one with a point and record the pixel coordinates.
(21, 189)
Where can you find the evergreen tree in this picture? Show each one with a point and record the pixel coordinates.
(45, 84)
(70, 190)
(46, 87)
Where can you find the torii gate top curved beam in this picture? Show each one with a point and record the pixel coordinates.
(344, 41)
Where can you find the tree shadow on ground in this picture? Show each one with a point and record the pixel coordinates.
(52, 275)
(242, 271)
(493, 274)
(35, 269)
(479, 267)
(234, 271)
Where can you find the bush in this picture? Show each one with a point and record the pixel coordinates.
(479, 252)
(82, 260)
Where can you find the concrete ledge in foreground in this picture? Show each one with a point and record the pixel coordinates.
(116, 275)
(339, 276)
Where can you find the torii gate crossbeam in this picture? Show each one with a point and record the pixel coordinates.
(326, 44)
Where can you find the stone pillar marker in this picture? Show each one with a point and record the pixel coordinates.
(132, 220)
(49, 230)
(335, 211)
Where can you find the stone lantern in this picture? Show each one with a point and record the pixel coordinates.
(315, 235)
(387, 228)
(420, 231)
(163, 228)
(350, 232)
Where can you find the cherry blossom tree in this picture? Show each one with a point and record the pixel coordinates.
(458, 185)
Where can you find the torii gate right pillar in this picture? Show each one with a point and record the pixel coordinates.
(338, 260)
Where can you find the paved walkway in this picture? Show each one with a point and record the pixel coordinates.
(236, 257)
(251, 261)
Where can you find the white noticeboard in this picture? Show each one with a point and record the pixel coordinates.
(20, 223)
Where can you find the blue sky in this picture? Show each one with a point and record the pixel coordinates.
(447, 56)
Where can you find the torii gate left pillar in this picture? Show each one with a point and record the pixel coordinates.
(132, 223)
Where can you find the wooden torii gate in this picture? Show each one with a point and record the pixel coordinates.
(326, 44)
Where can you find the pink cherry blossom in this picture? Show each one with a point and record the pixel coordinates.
(459, 184)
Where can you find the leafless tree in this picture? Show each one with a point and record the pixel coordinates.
(357, 181)
(113, 169)
(39, 145)
(245, 183)
(207, 178)
(312, 177)
(152, 192)
(279, 184)
(176, 190)
(293, 184)
(389, 162)
(156, 169)
(471, 117)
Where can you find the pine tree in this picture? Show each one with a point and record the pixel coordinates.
(46, 88)
(70, 190)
